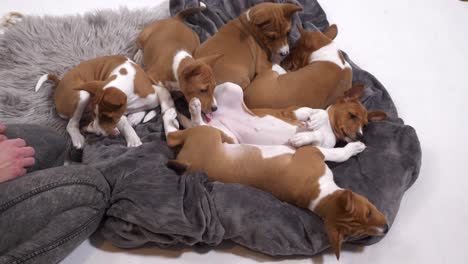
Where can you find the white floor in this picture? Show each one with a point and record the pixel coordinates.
(419, 50)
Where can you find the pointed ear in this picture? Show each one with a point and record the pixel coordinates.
(331, 32)
(179, 166)
(91, 88)
(347, 201)
(176, 138)
(335, 238)
(290, 9)
(354, 93)
(191, 71)
(212, 59)
(376, 115)
(226, 139)
(259, 19)
(301, 29)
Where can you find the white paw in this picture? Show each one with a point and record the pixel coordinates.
(135, 118)
(170, 120)
(195, 106)
(78, 140)
(300, 139)
(134, 141)
(303, 113)
(152, 114)
(317, 120)
(138, 58)
(355, 148)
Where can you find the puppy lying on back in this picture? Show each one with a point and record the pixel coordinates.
(342, 121)
(300, 177)
(108, 87)
(167, 47)
(320, 75)
(250, 42)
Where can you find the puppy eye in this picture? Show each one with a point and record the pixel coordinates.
(204, 91)
(271, 38)
(352, 116)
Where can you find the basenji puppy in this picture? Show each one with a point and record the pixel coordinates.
(108, 87)
(300, 177)
(167, 47)
(342, 121)
(320, 75)
(250, 43)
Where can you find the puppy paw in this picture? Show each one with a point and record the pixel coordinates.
(170, 120)
(355, 148)
(300, 139)
(303, 113)
(195, 111)
(78, 141)
(133, 142)
(317, 119)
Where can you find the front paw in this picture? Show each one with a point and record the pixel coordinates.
(355, 148)
(170, 120)
(78, 141)
(299, 140)
(303, 113)
(317, 120)
(195, 106)
(133, 142)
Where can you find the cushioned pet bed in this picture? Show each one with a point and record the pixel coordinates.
(149, 203)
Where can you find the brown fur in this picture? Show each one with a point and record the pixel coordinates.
(317, 85)
(293, 178)
(161, 41)
(248, 46)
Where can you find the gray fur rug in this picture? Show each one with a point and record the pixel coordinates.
(39, 45)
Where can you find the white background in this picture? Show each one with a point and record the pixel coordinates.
(419, 50)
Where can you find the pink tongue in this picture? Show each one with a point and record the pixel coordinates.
(208, 117)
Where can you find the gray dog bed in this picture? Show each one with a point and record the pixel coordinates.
(149, 203)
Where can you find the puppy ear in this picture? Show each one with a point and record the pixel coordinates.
(212, 59)
(179, 166)
(346, 201)
(331, 32)
(260, 19)
(376, 115)
(301, 29)
(191, 71)
(290, 9)
(335, 238)
(354, 93)
(176, 138)
(114, 97)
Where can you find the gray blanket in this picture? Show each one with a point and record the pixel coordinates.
(149, 203)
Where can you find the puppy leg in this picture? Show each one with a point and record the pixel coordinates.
(170, 121)
(73, 126)
(133, 140)
(306, 138)
(303, 113)
(195, 112)
(343, 154)
(277, 68)
(136, 118)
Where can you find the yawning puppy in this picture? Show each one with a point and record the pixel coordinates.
(320, 75)
(116, 86)
(300, 177)
(250, 42)
(342, 121)
(167, 47)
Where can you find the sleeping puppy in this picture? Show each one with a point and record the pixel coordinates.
(300, 177)
(167, 47)
(108, 87)
(320, 74)
(250, 42)
(342, 121)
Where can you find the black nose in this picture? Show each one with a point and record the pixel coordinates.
(214, 108)
(385, 231)
(359, 136)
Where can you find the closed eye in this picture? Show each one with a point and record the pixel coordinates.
(352, 116)
(204, 91)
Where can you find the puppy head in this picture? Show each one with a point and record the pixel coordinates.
(197, 80)
(351, 214)
(271, 23)
(308, 43)
(108, 107)
(348, 116)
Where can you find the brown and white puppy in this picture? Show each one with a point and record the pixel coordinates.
(250, 42)
(167, 47)
(320, 75)
(300, 177)
(108, 87)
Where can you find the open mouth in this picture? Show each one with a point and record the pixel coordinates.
(208, 117)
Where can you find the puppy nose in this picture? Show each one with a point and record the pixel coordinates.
(385, 231)
(359, 135)
(214, 108)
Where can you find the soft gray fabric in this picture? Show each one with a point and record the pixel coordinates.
(48, 144)
(44, 215)
(150, 203)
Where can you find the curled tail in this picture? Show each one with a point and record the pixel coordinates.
(47, 77)
(184, 13)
